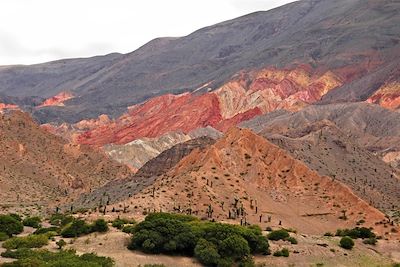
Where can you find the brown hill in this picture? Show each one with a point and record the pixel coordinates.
(122, 189)
(38, 167)
(344, 141)
(243, 171)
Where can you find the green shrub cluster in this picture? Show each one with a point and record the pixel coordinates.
(31, 241)
(213, 244)
(60, 219)
(10, 225)
(3, 236)
(32, 222)
(281, 253)
(357, 232)
(278, 235)
(46, 230)
(79, 228)
(120, 222)
(28, 257)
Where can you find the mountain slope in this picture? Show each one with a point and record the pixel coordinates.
(243, 170)
(38, 167)
(344, 141)
(356, 39)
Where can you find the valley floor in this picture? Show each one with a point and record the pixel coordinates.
(310, 251)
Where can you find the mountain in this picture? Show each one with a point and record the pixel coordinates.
(356, 40)
(243, 171)
(348, 142)
(136, 153)
(38, 167)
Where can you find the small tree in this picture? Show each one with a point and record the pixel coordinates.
(61, 243)
(346, 242)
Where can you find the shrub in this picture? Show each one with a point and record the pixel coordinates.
(278, 235)
(61, 243)
(10, 226)
(206, 252)
(292, 240)
(120, 222)
(3, 236)
(46, 230)
(128, 229)
(281, 253)
(370, 241)
(16, 216)
(32, 222)
(346, 242)
(357, 232)
(27, 257)
(75, 229)
(234, 247)
(31, 241)
(99, 225)
(59, 219)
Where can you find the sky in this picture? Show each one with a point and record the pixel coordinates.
(34, 31)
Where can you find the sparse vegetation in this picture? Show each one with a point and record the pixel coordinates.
(31, 241)
(213, 244)
(32, 222)
(281, 253)
(28, 257)
(357, 232)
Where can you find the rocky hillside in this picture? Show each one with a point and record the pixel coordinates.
(344, 141)
(38, 167)
(356, 40)
(244, 177)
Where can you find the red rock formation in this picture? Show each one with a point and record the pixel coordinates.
(388, 96)
(8, 106)
(245, 96)
(57, 100)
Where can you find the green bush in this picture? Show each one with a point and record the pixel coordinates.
(216, 243)
(99, 225)
(346, 242)
(46, 230)
(31, 241)
(278, 235)
(32, 222)
(59, 219)
(292, 240)
(75, 229)
(16, 216)
(3, 236)
(10, 225)
(129, 229)
(206, 252)
(120, 222)
(370, 241)
(357, 232)
(281, 253)
(33, 258)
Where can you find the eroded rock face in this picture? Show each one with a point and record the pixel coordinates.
(57, 100)
(247, 95)
(38, 167)
(388, 96)
(136, 153)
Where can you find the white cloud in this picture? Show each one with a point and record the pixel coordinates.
(43, 30)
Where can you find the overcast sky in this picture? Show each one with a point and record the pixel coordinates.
(33, 31)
